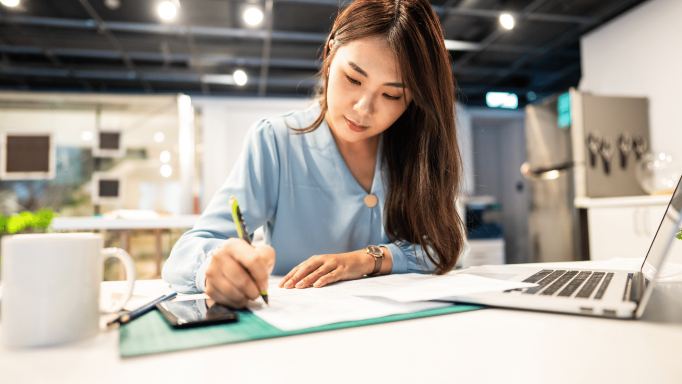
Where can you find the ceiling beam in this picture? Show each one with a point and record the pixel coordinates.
(102, 27)
(172, 77)
(567, 37)
(267, 49)
(212, 60)
(219, 32)
(447, 10)
(494, 35)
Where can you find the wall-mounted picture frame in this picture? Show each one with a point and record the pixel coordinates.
(107, 188)
(27, 156)
(108, 143)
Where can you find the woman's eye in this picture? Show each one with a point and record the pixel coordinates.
(391, 97)
(352, 80)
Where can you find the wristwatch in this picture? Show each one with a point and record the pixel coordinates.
(378, 254)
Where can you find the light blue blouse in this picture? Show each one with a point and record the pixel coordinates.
(299, 188)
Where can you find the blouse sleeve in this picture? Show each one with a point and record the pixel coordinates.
(411, 258)
(254, 182)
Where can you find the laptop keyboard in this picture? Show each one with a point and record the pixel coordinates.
(583, 282)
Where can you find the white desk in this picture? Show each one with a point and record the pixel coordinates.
(125, 226)
(486, 346)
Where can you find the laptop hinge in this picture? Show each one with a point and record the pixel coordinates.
(634, 289)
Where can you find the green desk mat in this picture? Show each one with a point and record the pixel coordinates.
(152, 334)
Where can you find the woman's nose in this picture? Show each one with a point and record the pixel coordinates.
(365, 105)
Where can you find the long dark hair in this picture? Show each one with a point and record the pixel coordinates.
(420, 149)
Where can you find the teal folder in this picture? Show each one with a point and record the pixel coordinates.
(152, 334)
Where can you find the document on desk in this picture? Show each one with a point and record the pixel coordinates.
(411, 287)
(293, 309)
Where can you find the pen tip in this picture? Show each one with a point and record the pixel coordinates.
(265, 297)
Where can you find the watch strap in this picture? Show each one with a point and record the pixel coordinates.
(378, 254)
(377, 265)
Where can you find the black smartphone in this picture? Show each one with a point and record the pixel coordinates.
(195, 313)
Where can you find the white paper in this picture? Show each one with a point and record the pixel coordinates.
(292, 309)
(418, 287)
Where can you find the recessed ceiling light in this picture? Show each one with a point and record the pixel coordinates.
(86, 135)
(159, 136)
(507, 21)
(112, 4)
(253, 16)
(165, 156)
(167, 10)
(240, 77)
(10, 3)
(166, 170)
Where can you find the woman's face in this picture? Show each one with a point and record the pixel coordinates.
(365, 93)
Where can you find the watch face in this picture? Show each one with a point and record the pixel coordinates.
(375, 251)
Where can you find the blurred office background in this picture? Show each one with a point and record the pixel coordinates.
(146, 103)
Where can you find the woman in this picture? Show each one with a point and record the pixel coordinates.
(363, 182)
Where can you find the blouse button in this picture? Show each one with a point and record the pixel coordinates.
(370, 201)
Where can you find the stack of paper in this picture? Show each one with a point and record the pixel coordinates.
(292, 309)
(415, 287)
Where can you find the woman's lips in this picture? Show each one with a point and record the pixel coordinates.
(355, 127)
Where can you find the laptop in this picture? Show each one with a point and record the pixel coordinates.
(592, 292)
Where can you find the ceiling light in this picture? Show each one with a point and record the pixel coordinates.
(240, 77)
(164, 157)
(112, 4)
(253, 16)
(502, 100)
(167, 10)
(166, 170)
(159, 136)
(86, 135)
(10, 3)
(507, 21)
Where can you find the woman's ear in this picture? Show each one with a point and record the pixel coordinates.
(331, 44)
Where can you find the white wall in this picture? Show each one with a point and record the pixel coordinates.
(224, 123)
(640, 54)
(466, 147)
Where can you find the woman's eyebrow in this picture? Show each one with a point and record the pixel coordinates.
(362, 72)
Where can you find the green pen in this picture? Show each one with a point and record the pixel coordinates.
(243, 234)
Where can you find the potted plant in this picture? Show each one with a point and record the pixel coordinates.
(26, 222)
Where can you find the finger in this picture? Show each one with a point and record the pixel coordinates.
(288, 276)
(304, 270)
(224, 292)
(266, 255)
(329, 278)
(312, 277)
(255, 261)
(235, 273)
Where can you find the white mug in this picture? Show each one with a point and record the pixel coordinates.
(51, 285)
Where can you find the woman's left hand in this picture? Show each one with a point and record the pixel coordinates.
(321, 270)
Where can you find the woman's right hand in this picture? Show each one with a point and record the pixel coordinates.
(227, 279)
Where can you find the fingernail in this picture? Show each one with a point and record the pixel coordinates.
(289, 284)
(300, 284)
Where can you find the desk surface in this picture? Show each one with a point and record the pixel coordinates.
(92, 223)
(486, 346)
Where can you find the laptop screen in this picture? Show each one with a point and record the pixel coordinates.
(664, 236)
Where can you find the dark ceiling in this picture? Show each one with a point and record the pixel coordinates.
(83, 45)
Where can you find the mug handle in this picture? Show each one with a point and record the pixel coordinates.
(129, 265)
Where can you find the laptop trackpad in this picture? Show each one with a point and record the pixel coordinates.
(498, 276)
